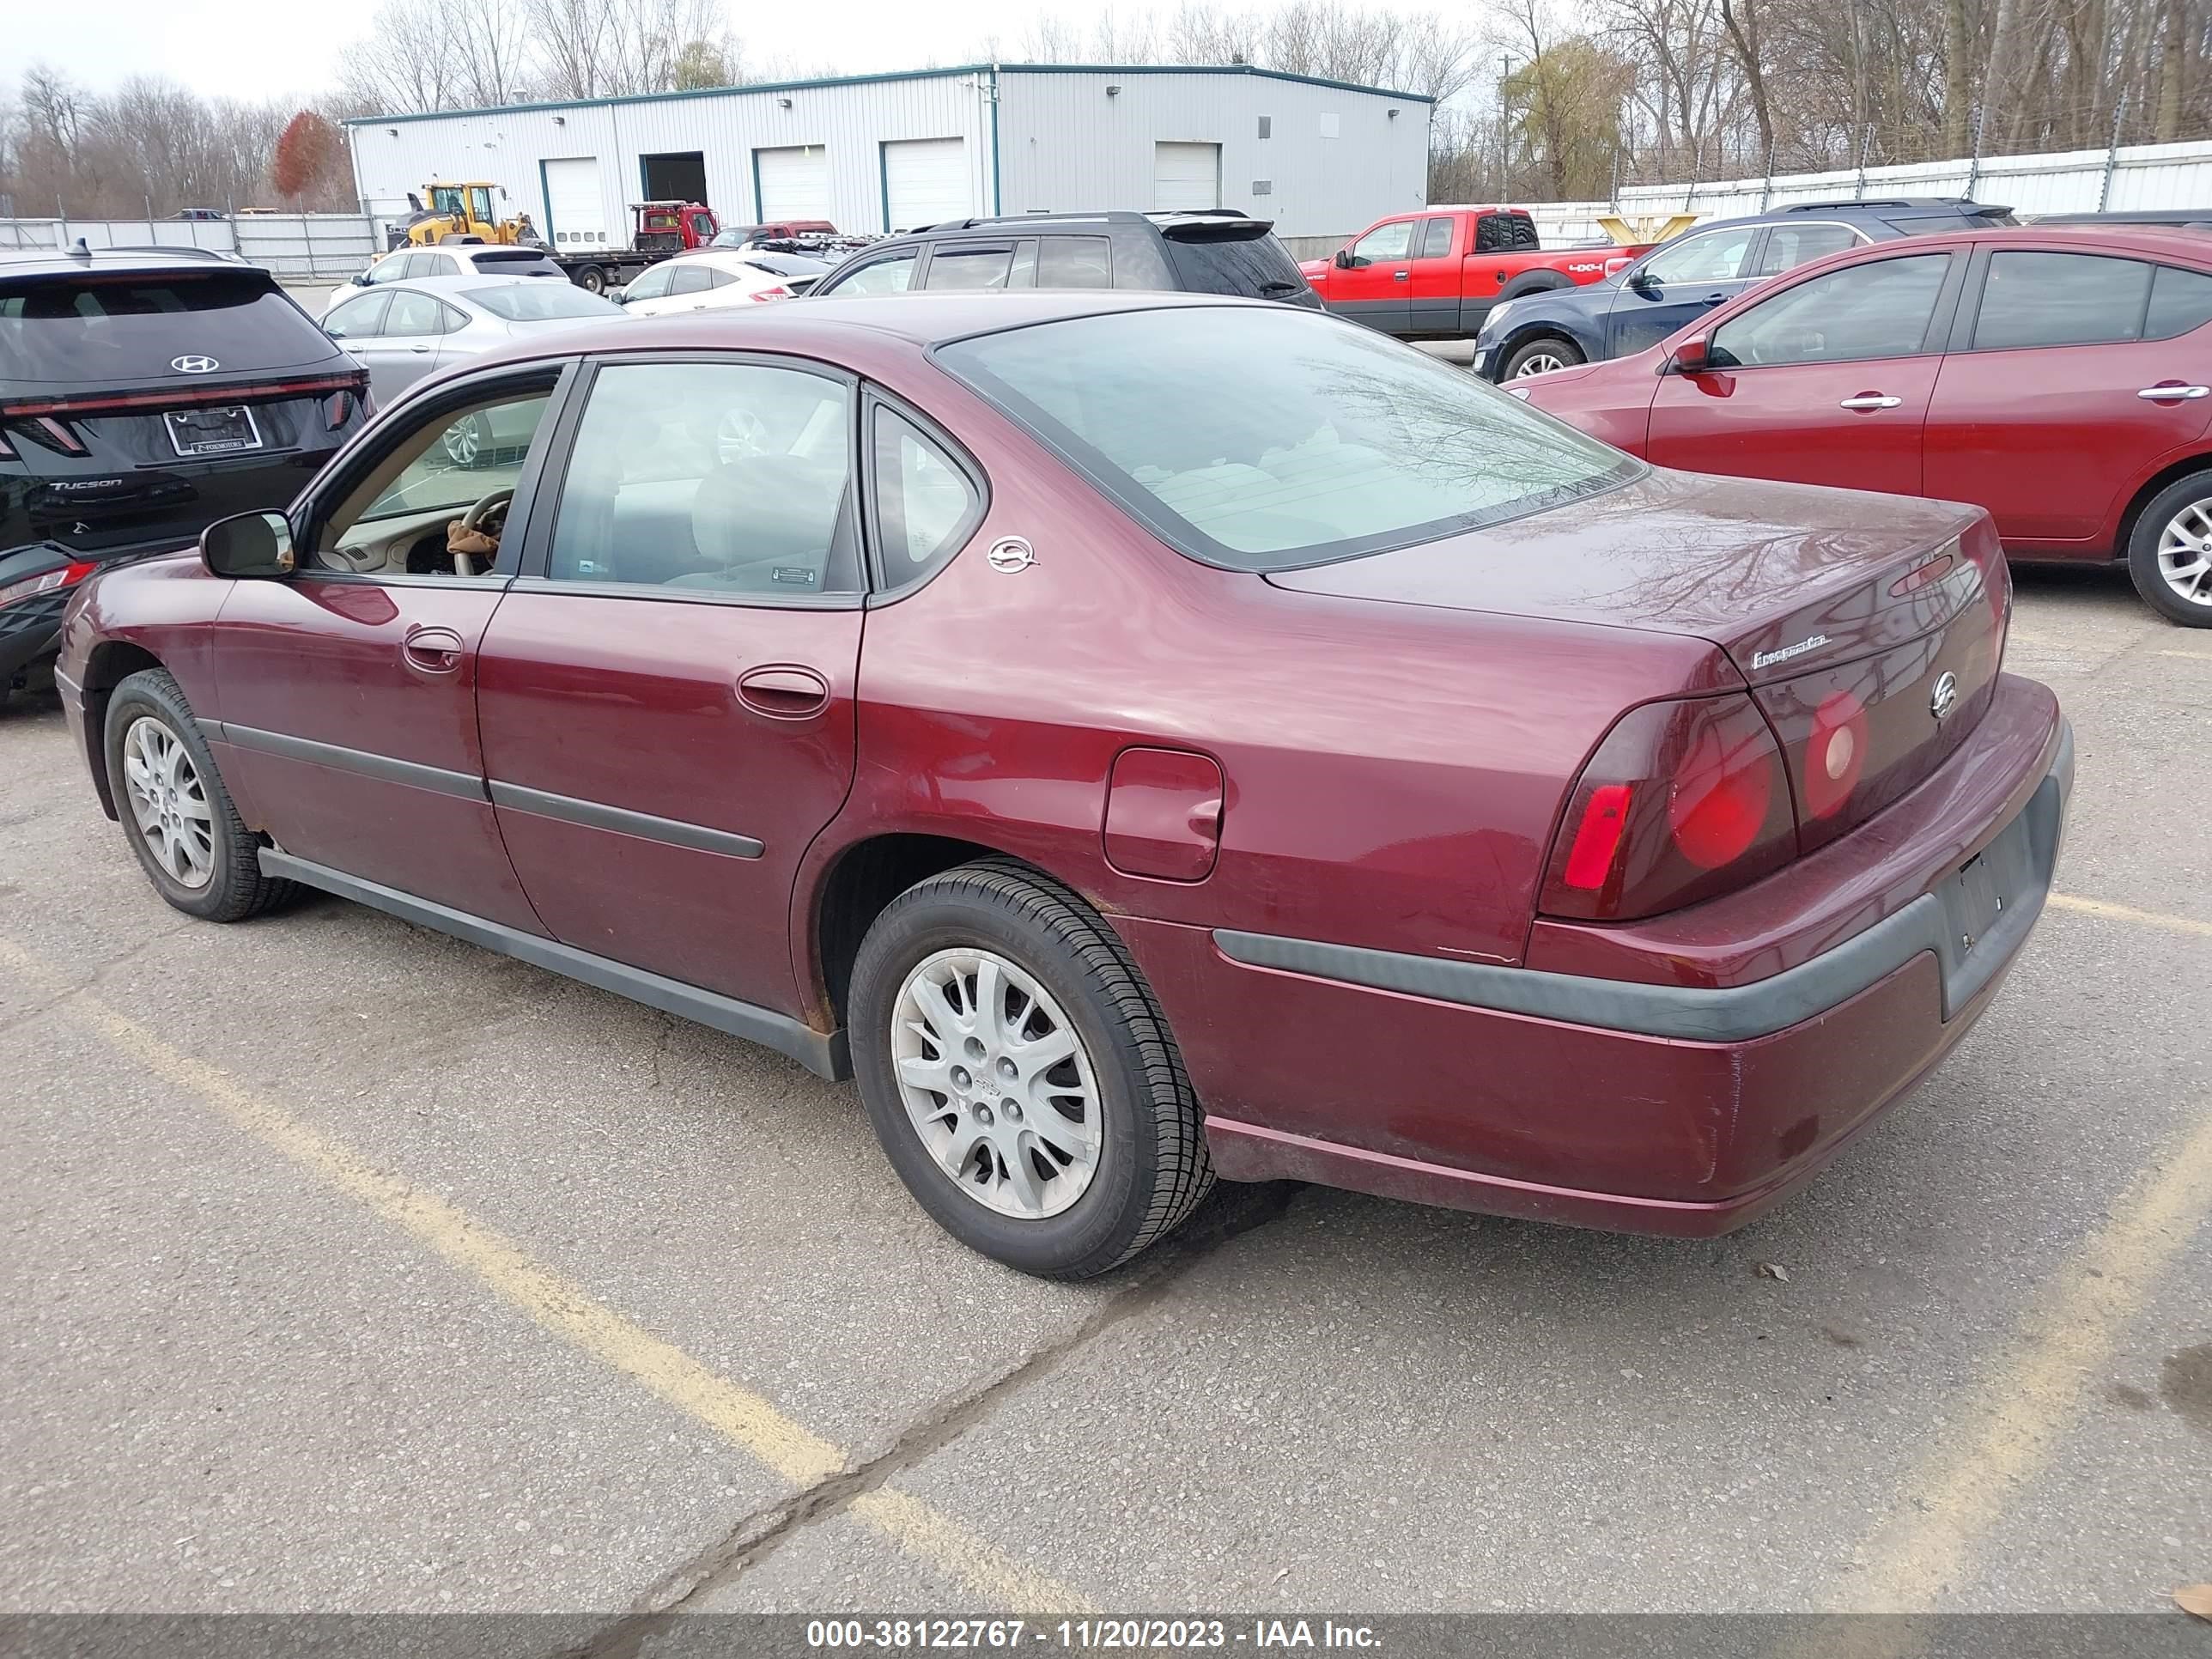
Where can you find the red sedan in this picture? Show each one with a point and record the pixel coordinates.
(2060, 378)
(1142, 737)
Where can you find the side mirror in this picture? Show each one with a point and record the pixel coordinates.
(1693, 356)
(1342, 259)
(1643, 282)
(619, 295)
(249, 544)
(360, 279)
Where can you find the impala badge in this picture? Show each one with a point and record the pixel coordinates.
(1010, 553)
(1944, 694)
(1768, 659)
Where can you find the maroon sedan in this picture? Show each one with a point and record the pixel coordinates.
(2061, 379)
(1142, 737)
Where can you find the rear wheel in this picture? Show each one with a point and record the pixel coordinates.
(1019, 1076)
(179, 819)
(591, 280)
(466, 440)
(2170, 554)
(1540, 356)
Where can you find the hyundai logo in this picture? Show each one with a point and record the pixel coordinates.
(1944, 694)
(194, 365)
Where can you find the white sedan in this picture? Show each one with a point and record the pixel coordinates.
(716, 277)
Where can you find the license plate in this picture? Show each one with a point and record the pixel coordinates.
(218, 430)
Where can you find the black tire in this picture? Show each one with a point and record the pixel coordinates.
(235, 888)
(591, 279)
(1565, 353)
(1153, 1170)
(2158, 592)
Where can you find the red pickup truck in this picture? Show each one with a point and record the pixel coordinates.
(1435, 274)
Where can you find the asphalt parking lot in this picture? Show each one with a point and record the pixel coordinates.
(347, 1268)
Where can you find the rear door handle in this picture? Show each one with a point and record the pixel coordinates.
(1870, 400)
(418, 348)
(433, 651)
(784, 691)
(2160, 394)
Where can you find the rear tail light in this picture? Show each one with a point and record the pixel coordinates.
(779, 292)
(68, 576)
(1682, 801)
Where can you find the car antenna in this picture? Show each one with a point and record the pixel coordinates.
(82, 250)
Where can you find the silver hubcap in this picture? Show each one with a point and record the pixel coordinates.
(463, 440)
(1542, 363)
(997, 1084)
(168, 802)
(2184, 553)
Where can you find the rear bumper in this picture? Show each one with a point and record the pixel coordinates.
(1639, 1105)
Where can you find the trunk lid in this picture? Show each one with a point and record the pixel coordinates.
(1868, 627)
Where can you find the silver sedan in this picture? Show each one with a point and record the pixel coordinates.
(400, 332)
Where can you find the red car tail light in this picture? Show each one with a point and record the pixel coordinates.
(779, 292)
(1682, 800)
(68, 576)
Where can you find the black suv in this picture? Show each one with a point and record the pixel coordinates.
(1688, 275)
(145, 393)
(1216, 251)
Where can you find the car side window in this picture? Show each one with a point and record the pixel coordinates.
(1385, 242)
(726, 479)
(439, 264)
(925, 507)
(389, 270)
(1436, 238)
(2060, 300)
(718, 278)
(1493, 233)
(689, 279)
(358, 319)
(414, 315)
(892, 275)
(1716, 257)
(458, 465)
(1789, 246)
(2180, 301)
(650, 284)
(971, 268)
(1877, 310)
(1074, 262)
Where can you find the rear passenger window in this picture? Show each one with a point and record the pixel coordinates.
(924, 505)
(2061, 298)
(1436, 238)
(1789, 246)
(970, 268)
(689, 279)
(2180, 301)
(1493, 233)
(715, 479)
(1073, 262)
(414, 315)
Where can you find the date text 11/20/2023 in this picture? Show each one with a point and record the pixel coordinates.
(1159, 1634)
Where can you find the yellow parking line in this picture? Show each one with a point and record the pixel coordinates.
(745, 1419)
(2007, 1429)
(2128, 913)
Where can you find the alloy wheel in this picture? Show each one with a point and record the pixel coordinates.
(463, 440)
(168, 802)
(1541, 363)
(2184, 553)
(997, 1084)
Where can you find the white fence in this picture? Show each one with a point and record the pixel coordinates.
(2072, 181)
(301, 246)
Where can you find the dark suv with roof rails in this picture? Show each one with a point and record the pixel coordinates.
(1208, 251)
(145, 393)
(1688, 275)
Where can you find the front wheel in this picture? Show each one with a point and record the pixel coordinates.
(1019, 1076)
(1540, 357)
(2170, 554)
(179, 819)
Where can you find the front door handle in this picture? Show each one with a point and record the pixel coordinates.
(433, 651)
(2172, 393)
(784, 691)
(1867, 400)
(1400, 276)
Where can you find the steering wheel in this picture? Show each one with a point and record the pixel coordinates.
(494, 505)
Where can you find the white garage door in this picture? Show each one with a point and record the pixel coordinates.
(1186, 176)
(926, 182)
(573, 207)
(794, 184)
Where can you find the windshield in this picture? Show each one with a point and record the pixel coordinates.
(1265, 438)
(540, 302)
(111, 330)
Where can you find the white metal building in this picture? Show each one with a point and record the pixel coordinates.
(887, 152)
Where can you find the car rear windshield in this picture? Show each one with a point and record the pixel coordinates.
(1251, 265)
(516, 260)
(541, 302)
(1263, 437)
(100, 330)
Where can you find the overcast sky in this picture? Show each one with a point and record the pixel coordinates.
(289, 48)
